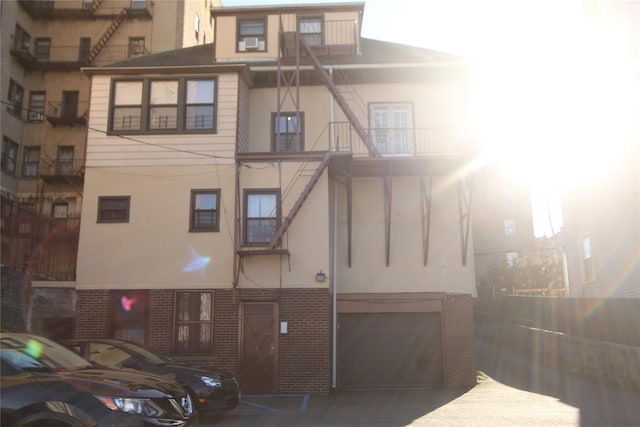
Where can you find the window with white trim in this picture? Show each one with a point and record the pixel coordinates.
(262, 216)
(392, 128)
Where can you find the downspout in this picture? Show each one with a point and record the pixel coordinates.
(334, 272)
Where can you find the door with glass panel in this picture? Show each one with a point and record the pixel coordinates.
(392, 128)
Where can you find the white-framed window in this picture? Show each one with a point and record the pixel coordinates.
(510, 228)
(512, 258)
(391, 124)
(196, 26)
(36, 106)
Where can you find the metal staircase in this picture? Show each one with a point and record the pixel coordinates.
(95, 4)
(115, 24)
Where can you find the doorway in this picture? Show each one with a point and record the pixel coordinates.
(258, 347)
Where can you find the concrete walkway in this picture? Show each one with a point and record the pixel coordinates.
(511, 391)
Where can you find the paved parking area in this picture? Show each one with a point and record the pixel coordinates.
(511, 391)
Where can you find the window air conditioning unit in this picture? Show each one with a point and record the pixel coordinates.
(251, 43)
(35, 116)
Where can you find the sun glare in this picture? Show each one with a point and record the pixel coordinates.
(558, 108)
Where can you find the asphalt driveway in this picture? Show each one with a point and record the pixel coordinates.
(511, 391)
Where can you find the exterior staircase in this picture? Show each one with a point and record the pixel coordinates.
(95, 4)
(115, 24)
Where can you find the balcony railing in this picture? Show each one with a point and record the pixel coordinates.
(62, 168)
(407, 142)
(336, 37)
(62, 114)
(61, 9)
(73, 57)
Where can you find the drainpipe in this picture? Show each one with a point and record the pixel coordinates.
(334, 275)
(334, 272)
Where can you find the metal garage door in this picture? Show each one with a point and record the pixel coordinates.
(389, 350)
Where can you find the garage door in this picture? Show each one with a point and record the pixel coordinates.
(389, 350)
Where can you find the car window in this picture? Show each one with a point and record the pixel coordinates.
(25, 351)
(107, 355)
(146, 355)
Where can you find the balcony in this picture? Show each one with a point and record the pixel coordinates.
(335, 37)
(73, 57)
(86, 9)
(67, 114)
(62, 170)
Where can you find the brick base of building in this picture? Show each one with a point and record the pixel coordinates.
(304, 351)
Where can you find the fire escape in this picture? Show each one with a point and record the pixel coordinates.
(293, 45)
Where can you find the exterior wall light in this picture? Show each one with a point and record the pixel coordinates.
(320, 277)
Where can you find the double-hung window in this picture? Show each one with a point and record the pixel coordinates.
(392, 128)
(64, 161)
(205, 205)
(113, 208)
(310, 28)
(36, 106)
(251, 35)
(31, 162)
(126, 110)
(42, 49)
(163, 106)
(16, 97)
(288, 131)
(9, 155)
(262, 216)
(193, 322)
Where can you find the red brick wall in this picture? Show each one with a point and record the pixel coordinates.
(92, 314)
(460, 357)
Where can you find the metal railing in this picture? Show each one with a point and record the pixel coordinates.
(416, 142)
(53, 8)
(341, 35)
(62, 167)
(74, 56)
(60, 110)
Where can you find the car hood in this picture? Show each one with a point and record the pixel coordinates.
(115, 383)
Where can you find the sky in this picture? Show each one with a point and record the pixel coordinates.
(533, 60)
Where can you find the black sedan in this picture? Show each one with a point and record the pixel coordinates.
(43, 383)
(213, 391)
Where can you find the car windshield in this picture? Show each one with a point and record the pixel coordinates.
(147, 355)
(29, 352)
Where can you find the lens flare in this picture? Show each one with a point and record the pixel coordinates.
(34, 349)
(127, 303)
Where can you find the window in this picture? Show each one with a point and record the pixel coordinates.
(287, 132)
(163, 101)
(392, 128)
(193, 322)
(69, 107)
(64, 161)
(16, 94)
(138, 4)
(262, 216)
(21, 40)
(127, 106)
(196, 25)
(60, 210)
(310, 28)
(510, 229)
(181, 105)
(136, 47)
(84, 48)
(205, 205)
(42, 49)
(113, 208)
(251, 35)
(589, 271)
(31, 162)
(9, 155)
(36, 106)
(512, 257)
(128, 314)
(25, 217)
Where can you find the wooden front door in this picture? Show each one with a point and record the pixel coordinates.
(259, 347)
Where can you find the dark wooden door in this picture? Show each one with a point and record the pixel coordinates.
(259, 347)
